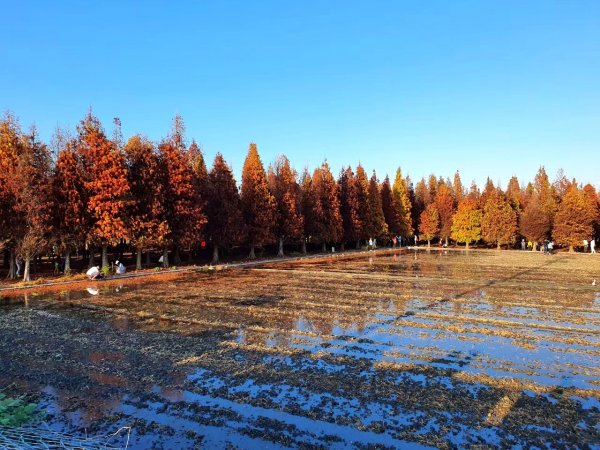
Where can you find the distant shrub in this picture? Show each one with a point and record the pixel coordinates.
(105, 270)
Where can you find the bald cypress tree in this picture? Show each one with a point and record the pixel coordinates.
(499, 221)
(466, 223)
(282, 180)
(258, 205)
(106, 185)
(349, 206)
(574, 218)
(364, 211)
(390, 209)
(327, 209)
(403, 204)
(225, 221)
(429, 223)
(377, 227)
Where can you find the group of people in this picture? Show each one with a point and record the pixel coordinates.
(547, 246)
(592, 245)
(94, 272)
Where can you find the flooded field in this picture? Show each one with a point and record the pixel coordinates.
(398, 350)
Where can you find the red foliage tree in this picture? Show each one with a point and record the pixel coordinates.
(258, 204)
(327, 209)
(225, 220)
(282, 180)
(183, 214)
(147, 221)
(10, 148)
(364, 210)
(311, 208)
(535, 223)
(429, 223)
(377, 227)
(574, 219)
(499, 221)
(105, 181)
(71, 221)
(32, 184)
(349, 209)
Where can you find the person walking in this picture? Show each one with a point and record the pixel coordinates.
(523, 244)
(593, 246)
(19, 263)
(585, 245)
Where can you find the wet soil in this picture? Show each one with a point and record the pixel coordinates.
(400, 350)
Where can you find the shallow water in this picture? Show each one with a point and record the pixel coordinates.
(397, 350)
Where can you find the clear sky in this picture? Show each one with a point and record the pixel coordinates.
(488, 87)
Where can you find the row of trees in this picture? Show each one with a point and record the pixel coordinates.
(94, 192)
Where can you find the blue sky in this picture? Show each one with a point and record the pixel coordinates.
(490, 88)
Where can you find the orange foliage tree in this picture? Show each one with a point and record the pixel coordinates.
(258, 204)
(444, 203)
(282, 180)
(10, 143)
(574, 219)
(429, 223)
(402, 202)
(225, 221)
(184, 216)
(71, 222)
(147, 222)
(105, 181)
(499, 221)
(466, 223)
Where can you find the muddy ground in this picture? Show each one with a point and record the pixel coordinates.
(399, 350)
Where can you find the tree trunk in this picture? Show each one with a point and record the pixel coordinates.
(138, 259)
(92, 259)
(446, 241)
(215, 258)
(428, 243)
(358, 244)
(190, 256)
(324, 247)
(5, 262)
(252, 255)
(304, 246)
(534, 248)
(104, 254)
(67, 261)
(280, 252)
(26, 271)
(11, 264)
(177, 257)
(467, 245)
(343, 247)
(571, 250)
(498, 247)
(147, 257)
(165, 262)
